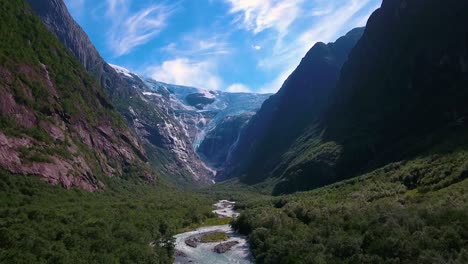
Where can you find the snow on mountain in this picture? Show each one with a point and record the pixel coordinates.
(192, 114)
(204, 110)
(122, 70)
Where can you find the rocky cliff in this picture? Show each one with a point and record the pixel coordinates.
(219, 142)
(58, 20)
(298, 105)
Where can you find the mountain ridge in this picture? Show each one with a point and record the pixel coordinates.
(297, 105)
(199, 112)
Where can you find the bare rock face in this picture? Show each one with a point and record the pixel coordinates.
(219, 142)
(53, 154)
(58, 20)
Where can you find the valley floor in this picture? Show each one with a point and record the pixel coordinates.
(414, 211)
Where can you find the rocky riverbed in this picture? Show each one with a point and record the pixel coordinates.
(234, 249)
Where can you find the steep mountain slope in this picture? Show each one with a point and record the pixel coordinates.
(283, 117)
(56, 121)
(155, 128)
(167, 141)
(219, 142)
(58, 20)
(403, 89)
(400, 94)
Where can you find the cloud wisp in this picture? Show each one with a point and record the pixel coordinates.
(238, 88)
(187, 72)
(199, 45)
(129, 31)
(259, 15)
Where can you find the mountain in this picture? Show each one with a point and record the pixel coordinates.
(394, 144)
(401, 92)
(193, 120)
(169, 145)
(219, 142)
(212, 119)
(56, 121)
(58, 20)
(298, 105)
(173, 159)
(396, 109)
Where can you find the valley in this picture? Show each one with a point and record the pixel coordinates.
(360, 157)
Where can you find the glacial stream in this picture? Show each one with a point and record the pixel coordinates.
(236, 246)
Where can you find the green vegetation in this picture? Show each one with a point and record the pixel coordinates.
(214, 237)
(212, 221)
(40, 223)
(414, 211)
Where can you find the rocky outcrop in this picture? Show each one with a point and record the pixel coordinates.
(199, 100)
(192, 242)
(225, 247)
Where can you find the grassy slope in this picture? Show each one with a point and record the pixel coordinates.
(414, 211)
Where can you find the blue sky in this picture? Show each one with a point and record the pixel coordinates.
(231, 45)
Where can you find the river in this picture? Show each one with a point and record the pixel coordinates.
(204, 253)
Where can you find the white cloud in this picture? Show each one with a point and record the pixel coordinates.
(257, 47)
(129, 31)
(333, 23)
(238, 88)
(116, 7)
(198, 45)
(183, 71)
(259, 15)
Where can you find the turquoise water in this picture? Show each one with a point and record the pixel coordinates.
(204, 254)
